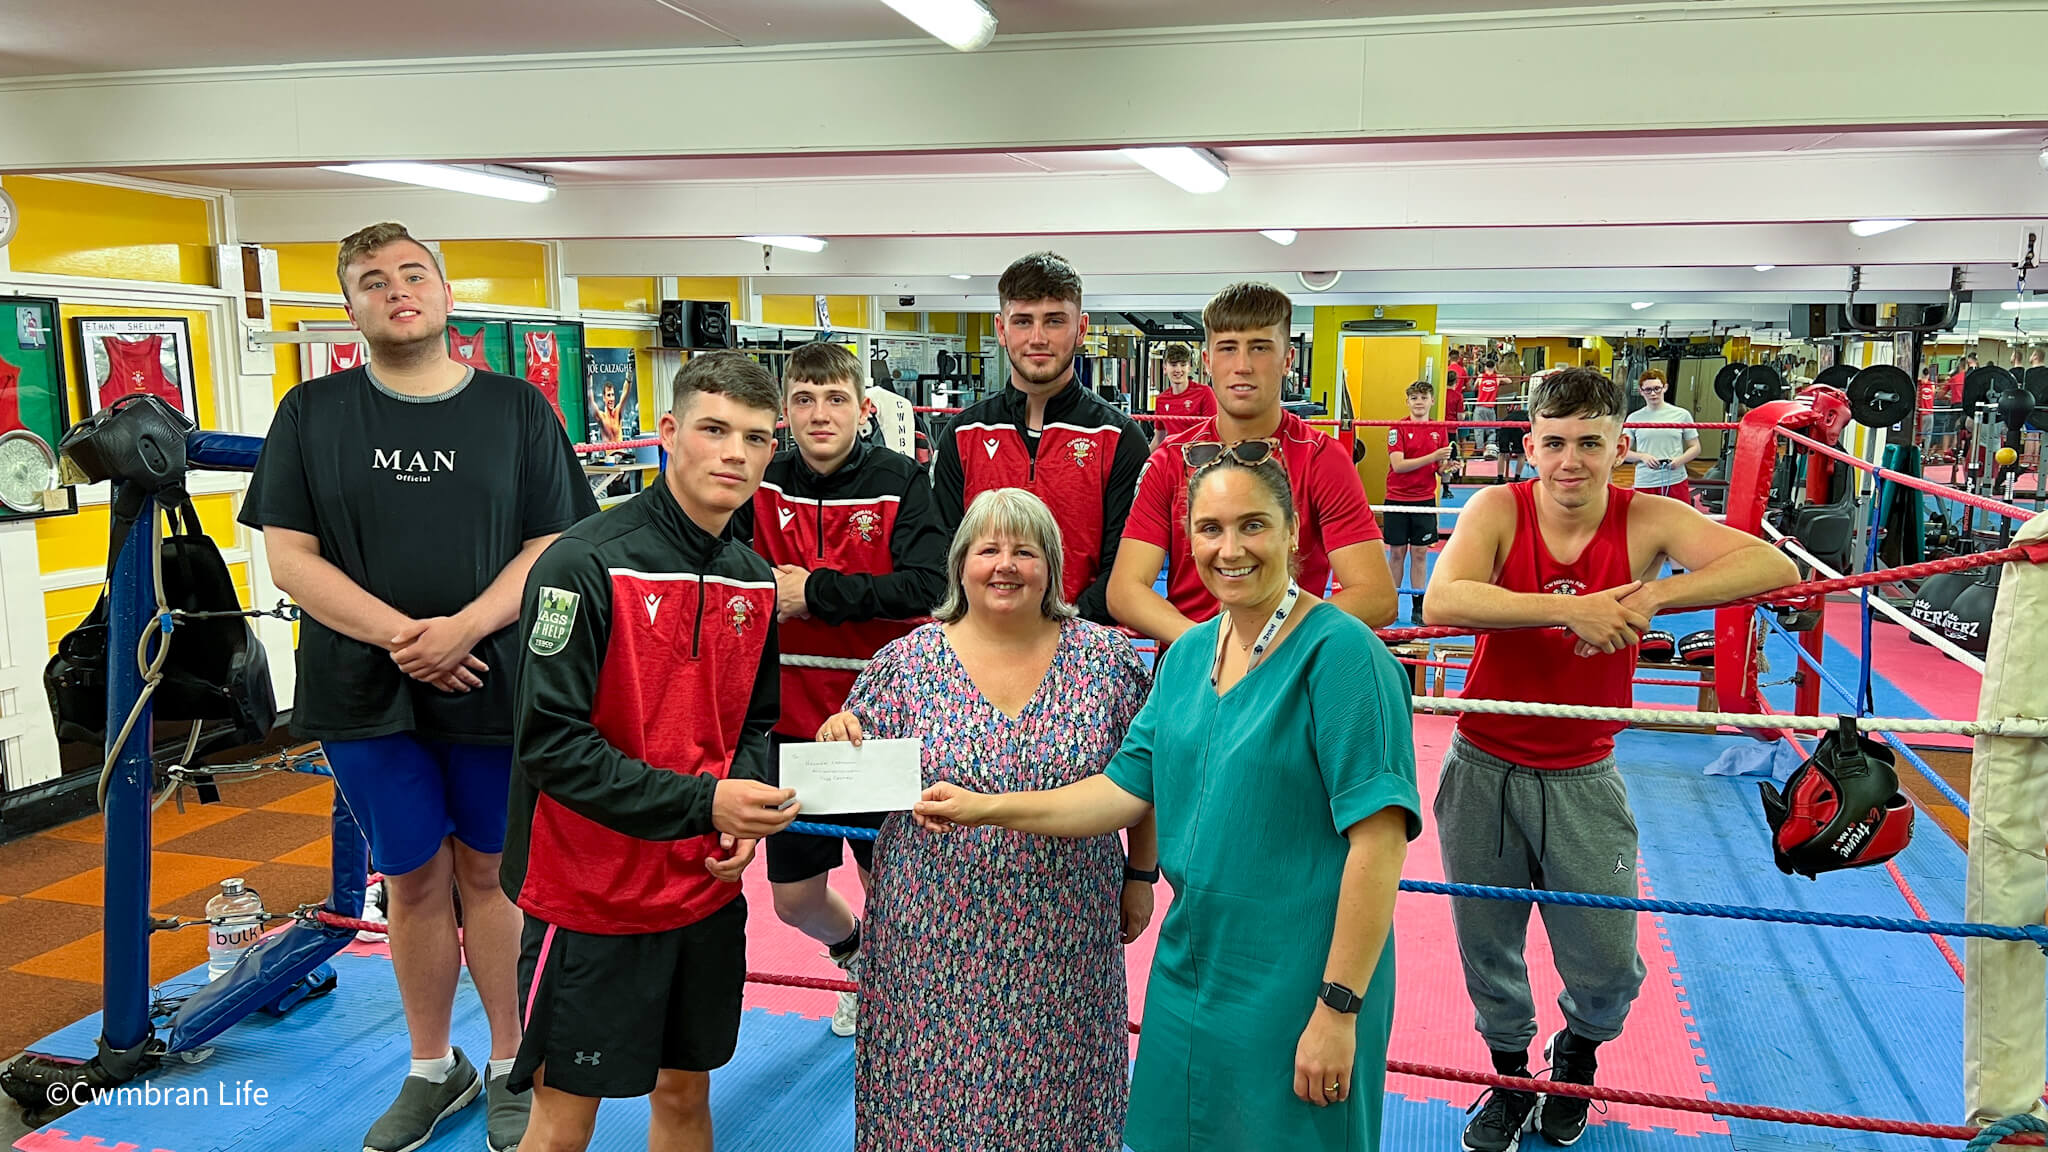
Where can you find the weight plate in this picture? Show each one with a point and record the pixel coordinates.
(2035, 380)
(1724, 383)
(1760, 384)
(1836, 376)
(1881, 396)
(1985, 382)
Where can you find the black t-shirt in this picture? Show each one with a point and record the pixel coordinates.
(421, 501)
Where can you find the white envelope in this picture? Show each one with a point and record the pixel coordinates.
(834, 777)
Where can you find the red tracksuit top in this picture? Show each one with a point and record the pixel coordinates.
(1086, 470)
(877, 558)
(1539, 664)
(649, 675)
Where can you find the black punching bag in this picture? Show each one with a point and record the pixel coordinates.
(1936, 597)
(1969, 619)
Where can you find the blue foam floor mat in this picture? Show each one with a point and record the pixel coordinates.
(329, 1068)
(1825, 1019)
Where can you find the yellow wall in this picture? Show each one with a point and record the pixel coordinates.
(726, 288)
(513, 272)
(618, 294)
(900, 322)
(1558, 352)
(802, 311)
(307, 267)
(72, 228)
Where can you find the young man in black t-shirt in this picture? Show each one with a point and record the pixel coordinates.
(402, 505)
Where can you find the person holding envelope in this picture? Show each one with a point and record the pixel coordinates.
(994, 1005)
(1277, 752)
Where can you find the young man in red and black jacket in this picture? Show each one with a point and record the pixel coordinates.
(1046, 433)
(859, 557)
(641, 749)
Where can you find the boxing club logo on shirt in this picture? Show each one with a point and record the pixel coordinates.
(740, 613)
(1564, 586)
(864, 524)
(1081, 449)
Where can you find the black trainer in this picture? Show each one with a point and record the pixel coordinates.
(1562, 1119)
(1503, 1117)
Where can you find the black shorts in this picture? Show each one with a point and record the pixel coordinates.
(795, 856)
(605, 1014)
(1409, 529)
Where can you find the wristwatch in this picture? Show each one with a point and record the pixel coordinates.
(1340, 999)
(1140, 875)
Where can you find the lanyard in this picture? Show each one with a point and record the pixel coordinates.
(1266, 634)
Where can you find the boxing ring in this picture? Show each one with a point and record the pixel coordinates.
(1748, 953)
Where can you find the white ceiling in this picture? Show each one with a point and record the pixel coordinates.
(58, 37)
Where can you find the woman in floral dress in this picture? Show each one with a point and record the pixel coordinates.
(993, 1003)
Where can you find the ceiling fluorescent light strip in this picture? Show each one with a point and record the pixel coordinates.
(798, 243)
(493, 180)
(1196, 170)
(963, 24)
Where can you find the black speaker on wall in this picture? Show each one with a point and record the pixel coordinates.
(696, 324)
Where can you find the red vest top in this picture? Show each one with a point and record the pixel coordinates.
(1539, 664)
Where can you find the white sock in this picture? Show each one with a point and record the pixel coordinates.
(502, 1067)
(434, 1071)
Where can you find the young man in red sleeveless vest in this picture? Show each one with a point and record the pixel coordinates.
(1046, 433)
(1571, 563)
(859, 556)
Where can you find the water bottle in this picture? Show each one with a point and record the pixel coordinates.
(235, 916)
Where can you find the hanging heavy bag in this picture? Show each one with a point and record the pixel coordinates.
(1840, 809)
(1936, 596)
(216, 672)
(1968, 622)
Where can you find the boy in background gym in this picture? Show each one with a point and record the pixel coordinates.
(1416, 450)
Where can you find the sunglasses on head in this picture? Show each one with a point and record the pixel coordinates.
(1250, 453)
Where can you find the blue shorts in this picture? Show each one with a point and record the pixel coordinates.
(411, 794)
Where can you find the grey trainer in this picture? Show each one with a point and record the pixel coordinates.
(421, 1106)
(505, 1113)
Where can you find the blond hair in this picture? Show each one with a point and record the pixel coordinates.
(1019, 515)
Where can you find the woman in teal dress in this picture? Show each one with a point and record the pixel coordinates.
(1277, 750)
